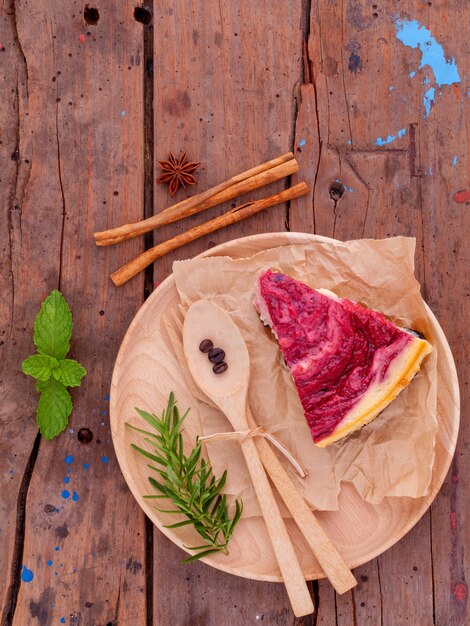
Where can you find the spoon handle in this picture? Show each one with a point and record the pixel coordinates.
(327, 555)
(291, 571)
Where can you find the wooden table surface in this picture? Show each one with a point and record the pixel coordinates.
(90, 101)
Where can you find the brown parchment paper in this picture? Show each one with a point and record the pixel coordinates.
(392, 456)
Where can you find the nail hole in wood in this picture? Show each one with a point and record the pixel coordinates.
(142, 15)
(336, 191)
(84, 435)
(91, 15)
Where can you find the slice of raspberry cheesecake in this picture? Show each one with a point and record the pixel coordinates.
(347, 362)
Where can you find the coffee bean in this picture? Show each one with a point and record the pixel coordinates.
(219, 368)
(206, 345)
(216, 355)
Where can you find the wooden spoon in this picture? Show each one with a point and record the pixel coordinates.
(229, 391)
(327, 555)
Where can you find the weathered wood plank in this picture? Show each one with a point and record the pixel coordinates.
(198, 595)
(84, 536)
(224, 80)
(224, 84)
(21, 249)
(386, 165)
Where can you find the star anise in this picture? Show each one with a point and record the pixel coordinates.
(177, 172)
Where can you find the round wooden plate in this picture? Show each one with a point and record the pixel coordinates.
(359, 530)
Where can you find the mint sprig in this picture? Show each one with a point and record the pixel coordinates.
(52, 371)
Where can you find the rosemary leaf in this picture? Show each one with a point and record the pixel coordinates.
(188, 481)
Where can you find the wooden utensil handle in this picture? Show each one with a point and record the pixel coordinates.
(329, 558)
(291, 571)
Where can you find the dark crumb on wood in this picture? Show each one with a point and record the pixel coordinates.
(84, 435)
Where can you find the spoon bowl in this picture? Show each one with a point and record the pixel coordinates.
(206, 320)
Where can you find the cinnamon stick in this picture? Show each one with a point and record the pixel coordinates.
(256, 177)
(132, 268)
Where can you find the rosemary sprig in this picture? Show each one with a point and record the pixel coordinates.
(188, 481)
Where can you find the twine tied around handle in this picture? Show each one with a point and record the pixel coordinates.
(242, 435)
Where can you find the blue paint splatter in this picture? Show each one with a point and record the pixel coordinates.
(71, 431)
(10, 472)
(69, 458)
(75, 496)
(69, 470)
(413, 35)
(104, 412)
(62, 620)
(49, 562)
(26, 574)
(383, 142)
(66, 494)
(86, 465)
(430, 170)
(66, 479)
(123, 113)
(107, 397)
(454, 160)
(391, 88)
(104, 459)
(302, 143)
(428, 100)
(57, 510)
(412, 74)
(57, 548)
(349, 142)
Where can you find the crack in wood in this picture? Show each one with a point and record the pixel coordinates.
(15, 203)
(353, 603)
(432, 569)
(316, 601)
(343, 74)
(380, 593)
(149, 555)
(148, 96)
(304, 79)
(412, 151)
(17, 557)
(149, 164)
(59, 174)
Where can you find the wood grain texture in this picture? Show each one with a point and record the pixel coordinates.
(225, 87)
(359, 87)
(81, 133)
(22, 280)
(229, 102)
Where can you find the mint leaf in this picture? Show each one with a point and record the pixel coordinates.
(53, 326)
(41, 385)
(39, 366)
(69, 373)
(54, 408)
